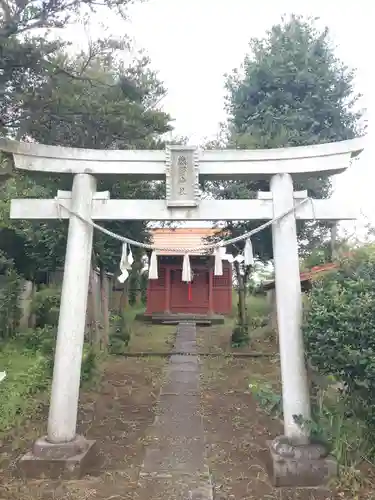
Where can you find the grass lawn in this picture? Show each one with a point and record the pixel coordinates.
(146, 337)
(27, 374)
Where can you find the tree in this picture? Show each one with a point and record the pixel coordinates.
(291, 91)
(27, 52)
(96, 102)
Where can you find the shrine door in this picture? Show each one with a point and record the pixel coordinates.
(195, 302)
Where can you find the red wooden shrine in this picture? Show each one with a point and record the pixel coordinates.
(207, 294)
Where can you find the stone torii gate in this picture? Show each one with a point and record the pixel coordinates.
(181, 167)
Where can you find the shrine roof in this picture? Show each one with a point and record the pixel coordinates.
(177, 238)
(314, 273)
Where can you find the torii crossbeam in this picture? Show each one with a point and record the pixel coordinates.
(181, 167)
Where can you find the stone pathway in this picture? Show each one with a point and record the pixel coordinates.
(175, 466)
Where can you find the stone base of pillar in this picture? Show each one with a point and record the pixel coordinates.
(63, 460)
(299, 465)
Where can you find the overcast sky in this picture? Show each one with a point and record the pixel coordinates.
(194, 43)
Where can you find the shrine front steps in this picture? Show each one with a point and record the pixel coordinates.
(176, 318)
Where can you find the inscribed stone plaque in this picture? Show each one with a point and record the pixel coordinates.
(182, 176)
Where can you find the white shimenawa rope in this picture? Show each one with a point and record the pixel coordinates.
(182, 251)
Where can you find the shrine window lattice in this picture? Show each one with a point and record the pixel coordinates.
(222, 281)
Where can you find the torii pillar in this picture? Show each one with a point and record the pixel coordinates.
(295, 460)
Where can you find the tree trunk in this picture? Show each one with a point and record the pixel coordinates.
(138, 298)
(94, 323)
(104, 293)
(333, 242)
(241, 296)
(124, 299)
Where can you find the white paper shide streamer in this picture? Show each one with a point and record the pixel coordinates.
(248, 253)
(186, 269)
(125, 263)
(218, 261)
(153, 267)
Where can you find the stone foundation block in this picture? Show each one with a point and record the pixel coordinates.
(54, 461)
(299, 465)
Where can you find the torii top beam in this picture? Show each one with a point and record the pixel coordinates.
(305, 161)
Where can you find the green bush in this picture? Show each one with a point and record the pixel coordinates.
(339, 329)
(89, 364)
(42, 341)
(240, 335)
(9, 300)
(27, 374)
(144, 285)
(46, 305)
(38, 339)
(258, 307)
(120, 334)
(331, 421)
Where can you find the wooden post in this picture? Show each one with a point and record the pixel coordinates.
(25, 303)
(334, 253)
(210, 291)
(104, 293)
(93, 308)
(167, 305)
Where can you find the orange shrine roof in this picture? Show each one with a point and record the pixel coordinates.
(181, 237)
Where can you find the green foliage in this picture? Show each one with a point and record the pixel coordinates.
(42, 342)
(95, 103)
(258, 315)
(28, 363)
(259, 311)
(27, 58)
(28, 360)
(294, 88)
(38, 339)
(134, 285)
(144, 285)
(339, 329)
(120, 334)
(46, 306)
(89, 364)
(332, 422)
(290, 91)
(323, 254)
(26, 376)
(240, 335)
(267, 398)
(316, 257)
(9, 299)
(89, 100)
(335, 425)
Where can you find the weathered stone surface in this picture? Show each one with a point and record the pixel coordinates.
(65, 460)
(172, 403)
(175, 463)
(43, 448)
(304, 465)
(176, 488)
(173, 388)
(178, 428)
(184, 366)
(175, 455)
(168, 318)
